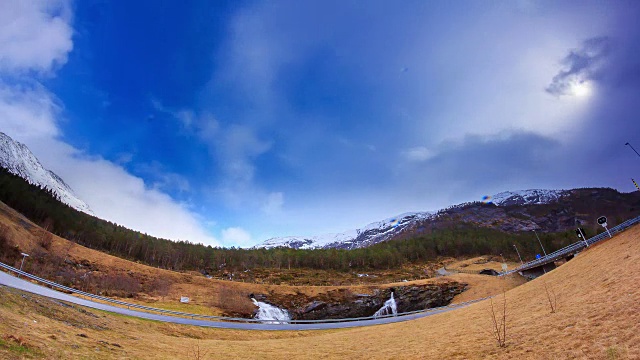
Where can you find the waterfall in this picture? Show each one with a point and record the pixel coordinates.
(269, 313)
(389, 308)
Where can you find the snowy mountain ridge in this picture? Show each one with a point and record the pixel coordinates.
(527, 197)
(19, 160)
(368, 235)
(388, 228)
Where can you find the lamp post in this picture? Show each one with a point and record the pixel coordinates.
(545, 253)
(24, 256)
(629, 145)
(521, 262)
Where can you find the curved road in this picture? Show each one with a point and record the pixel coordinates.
(14, 282)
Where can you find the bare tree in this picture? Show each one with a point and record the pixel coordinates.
(498, 313)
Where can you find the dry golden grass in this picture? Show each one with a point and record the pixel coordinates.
(479, 263)
(598, 318)
(483, 285)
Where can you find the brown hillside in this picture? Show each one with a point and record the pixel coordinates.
(208, 296)
(598, 318)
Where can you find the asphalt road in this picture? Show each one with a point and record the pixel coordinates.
(14, 282)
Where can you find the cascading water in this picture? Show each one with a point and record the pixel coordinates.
(271, 314)
(389, 308)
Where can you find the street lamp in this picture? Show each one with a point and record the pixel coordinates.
(24, 256)
(521, 262)
(545, 253)
(632, 148)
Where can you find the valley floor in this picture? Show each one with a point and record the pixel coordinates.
(598, 317)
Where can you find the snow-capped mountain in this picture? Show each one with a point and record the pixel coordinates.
(404, 224)
(371, 234)
(18, 160)
(527, 197)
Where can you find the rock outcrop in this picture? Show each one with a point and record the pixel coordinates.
(341, 303)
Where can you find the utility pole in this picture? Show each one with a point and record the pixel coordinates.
(580, 234)
(545, 253)
(521, 262)
(629, 145)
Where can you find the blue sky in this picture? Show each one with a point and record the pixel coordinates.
(231, 122)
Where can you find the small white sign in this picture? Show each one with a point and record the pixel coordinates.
(184, 299)
(504, 267)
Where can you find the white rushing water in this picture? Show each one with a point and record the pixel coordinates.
(270, 313)
(389, 308)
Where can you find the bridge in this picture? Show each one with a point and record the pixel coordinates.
(546, 263)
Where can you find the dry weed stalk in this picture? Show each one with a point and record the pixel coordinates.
(499, 320)
(196, 352)
(551, 296)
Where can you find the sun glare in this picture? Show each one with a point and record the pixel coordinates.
(581, 89)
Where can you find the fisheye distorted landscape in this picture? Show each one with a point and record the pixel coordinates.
(319, 179)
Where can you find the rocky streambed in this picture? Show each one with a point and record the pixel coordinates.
(342, 303)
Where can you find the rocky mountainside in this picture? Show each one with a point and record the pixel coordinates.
(512, 212)
(18, 159)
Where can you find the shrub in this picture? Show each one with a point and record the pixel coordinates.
(9, 252)
(46, 239)
(232, 300)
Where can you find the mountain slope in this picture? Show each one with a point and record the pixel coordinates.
(527, 197)
(511, 212)
(18, 159)
(371, 234)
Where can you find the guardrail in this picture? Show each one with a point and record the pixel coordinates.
(573, 247)
(471, 272)
(221, 318)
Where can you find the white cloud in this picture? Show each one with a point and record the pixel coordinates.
(116, 195)
(34, 35)
(236, 236)
(234, 147)
(238, 145)
(273, 203)
(162, 179)
(28, 111)
(418, 153)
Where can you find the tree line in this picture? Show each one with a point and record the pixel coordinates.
(457, 240)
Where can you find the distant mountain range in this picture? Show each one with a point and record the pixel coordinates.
(510, 211)
(19, 160)
(513, 212)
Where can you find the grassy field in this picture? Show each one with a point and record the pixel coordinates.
(597, 317)
(478, 264)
